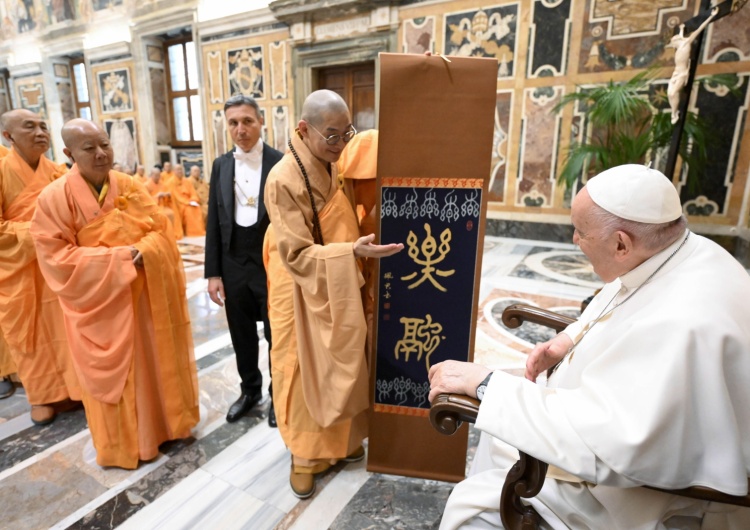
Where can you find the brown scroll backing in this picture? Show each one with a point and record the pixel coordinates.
(434, 155)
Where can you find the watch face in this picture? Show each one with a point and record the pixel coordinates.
(480, 392)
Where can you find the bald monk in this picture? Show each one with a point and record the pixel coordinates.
(312, 253)
(201, 188)
(108, 253)
(155, 186)
(186, 199)
(167, 174)
(30, 315)
(140, 174)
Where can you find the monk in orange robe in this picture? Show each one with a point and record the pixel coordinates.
(108, 253)
(312, 255)
(140, 174)
(30, 315)
(201, 188)
(7, 366)
(167, 174)
(161, 194)
(188, 204)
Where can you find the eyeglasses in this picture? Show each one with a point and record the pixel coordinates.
(334, 138)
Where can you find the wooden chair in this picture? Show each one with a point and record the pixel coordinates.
(526, 477)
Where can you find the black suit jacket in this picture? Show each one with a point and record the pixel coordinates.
(220, 220)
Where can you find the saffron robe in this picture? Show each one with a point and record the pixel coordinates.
(7, 366)
(320, 380)
(30, 317)
(201, 188)
(166, 205)
(128, 326)
(191, 217)
(657, 393)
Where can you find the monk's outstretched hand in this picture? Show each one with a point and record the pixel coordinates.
(546, 355)
(456, 377)
(364, 248)
(137, 257)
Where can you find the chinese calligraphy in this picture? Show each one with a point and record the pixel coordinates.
(428, 248)
(421, 336)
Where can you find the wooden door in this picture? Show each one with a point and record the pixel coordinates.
(356, 84)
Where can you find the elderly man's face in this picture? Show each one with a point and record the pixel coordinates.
(155, 175)
(244, 126)
(598, 246)
(93, 153)
(332, 123)
(167, 167)
(29, 134)
(179, 172)
(195, 172)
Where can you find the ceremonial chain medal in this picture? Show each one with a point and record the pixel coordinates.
(317, 232)
(605, 312)
(249, 201)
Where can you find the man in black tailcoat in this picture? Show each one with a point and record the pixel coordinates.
(235, 227)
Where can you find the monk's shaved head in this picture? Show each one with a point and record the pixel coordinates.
(77, 129)
(320, 104)
(27, 132)
(87, 144)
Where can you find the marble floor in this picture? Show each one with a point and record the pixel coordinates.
(236, 475)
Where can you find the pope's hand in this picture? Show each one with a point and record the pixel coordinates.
(456, 377)
(363, 248)
(216, 291)
(546, 355)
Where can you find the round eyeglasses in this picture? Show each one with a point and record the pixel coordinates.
(334, 138)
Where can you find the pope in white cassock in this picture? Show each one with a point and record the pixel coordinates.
(653, 387)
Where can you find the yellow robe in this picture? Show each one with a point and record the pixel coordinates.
(128, 327)
(183, 193)
(320, 380)
(30, 315)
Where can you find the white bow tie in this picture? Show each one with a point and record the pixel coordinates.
(253, 158)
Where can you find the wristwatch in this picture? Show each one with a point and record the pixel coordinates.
(483, 386)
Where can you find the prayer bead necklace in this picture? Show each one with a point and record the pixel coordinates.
(606, 312)
(317, 232)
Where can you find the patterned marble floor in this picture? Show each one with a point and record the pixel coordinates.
(236, 475)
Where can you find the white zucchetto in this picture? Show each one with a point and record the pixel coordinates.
(636, 193)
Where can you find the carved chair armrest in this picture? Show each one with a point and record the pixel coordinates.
(516, 314)
(448, 411)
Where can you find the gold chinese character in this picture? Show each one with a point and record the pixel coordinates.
(421, 336)
(428, 248)
(388, 275)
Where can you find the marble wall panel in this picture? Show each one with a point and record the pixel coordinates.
(727, 114)
(486, 32)
(501, 146)
(215, 70)
(67, 105)
(219, 128)
(30, 94)
(159, 102)
(4, 97)
(123, 136)
(539, 142)
(115, 90)
(279, 68)
(280, 128)
(729, 38)
(418, 35)
(245, 71)
(549, 38)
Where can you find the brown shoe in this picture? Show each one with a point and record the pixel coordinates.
(303, 484)
(42, 414)
(356, 456)
(66, 405)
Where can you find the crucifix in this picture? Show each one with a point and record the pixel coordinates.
(686, 54)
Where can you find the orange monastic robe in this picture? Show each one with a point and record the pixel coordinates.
(30, 315)
(201, 188)
(320, 381)
(7, 366)
(166, 205)
(128, 326)
(192, 219)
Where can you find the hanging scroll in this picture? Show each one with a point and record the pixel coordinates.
(434, 156)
